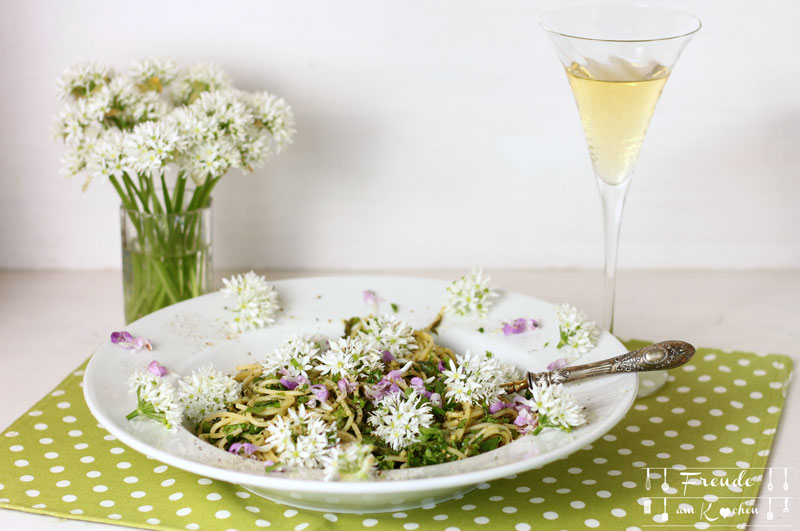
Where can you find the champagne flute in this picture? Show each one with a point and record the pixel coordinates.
(617, 60)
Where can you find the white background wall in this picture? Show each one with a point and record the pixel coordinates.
(431, 134)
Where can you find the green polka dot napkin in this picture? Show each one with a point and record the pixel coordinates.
(705, 438)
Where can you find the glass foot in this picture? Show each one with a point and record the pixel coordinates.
(650, 382)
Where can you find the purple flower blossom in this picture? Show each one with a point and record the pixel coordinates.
(127, 341)
(269, 462)
(291, 383)
(320, 392)
(436, 400)
(383, 388)
(346, 386)
(499, 405)
(525, 421)
(370, 297)
(156, 369)
(387, 356)
(441, 366)
(559, 363)
(249, 449)
(519, 325)
(419, 386)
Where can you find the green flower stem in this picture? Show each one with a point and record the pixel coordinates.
(165, 253)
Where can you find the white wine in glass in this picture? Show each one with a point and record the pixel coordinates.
(617, 60)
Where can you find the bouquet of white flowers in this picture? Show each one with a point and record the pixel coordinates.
(164, 137)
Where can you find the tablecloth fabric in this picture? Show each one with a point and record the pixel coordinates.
(716, 418)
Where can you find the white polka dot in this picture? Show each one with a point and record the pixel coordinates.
(683, 389)
(726, 450)
(11, 433)
(184, 511)
(107, 503)
(753, 419)
(69, 419)
(193, 527)
(204, 481)
(603, 493)
(755, 395)
(739, 382)
(577, 504)
(87, 459)
(759, 372)
(99, 488)
(748, 440)
(131, 479)
(591, 522)
(495, 498)
(27, 478)
(289, 513)
(440, 517)
(123, 465)
(214, 496)
(116, 450)
(369, 522)
(550, 515)
(168, 482)
(138, 494)
(694, 423)
(63, 405)
(522, 527)
(600, 460)
(467, 507)
(300, 527)
(710, 437)
(32, 493)
(536, 500)
(720, 389)
(523, 489)
(46, 440)
(263, 523)
(628, 484)
(243, 495)
(157, 470)
(480, 520)
(109, 437)
(21, 463)
(699, 400)
(253, 509)
(716, 412)
(93, 474)
(222, 514)
(330, 517)
(76, 511)
(57, 392)
(35, 413)
(732, 427)
(648, 442)
(609, 437)
(687, 446)
(153, 521)
(624, 451)
(614, 472)
(114, 516)
(632, 429)
(40, 427)
(75, 433)
(63, 483)
(50, 455)
(703, 459)
(772, 410)
(566, 490)
(17, 448)
(509, 510)
(69, 498)
(548, 480)
(175, 496)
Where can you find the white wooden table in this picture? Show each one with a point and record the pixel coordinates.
(51, 321)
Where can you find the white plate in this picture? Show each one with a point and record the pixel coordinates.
(194, 332)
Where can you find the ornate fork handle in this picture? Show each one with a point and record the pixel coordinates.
(656, 357)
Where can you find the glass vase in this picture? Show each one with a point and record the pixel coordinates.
(166, 258)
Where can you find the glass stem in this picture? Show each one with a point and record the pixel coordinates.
(613, 197)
